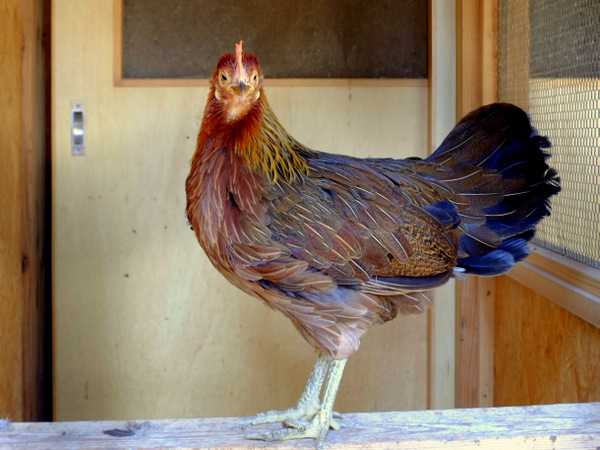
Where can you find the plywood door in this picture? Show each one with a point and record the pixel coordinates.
(144, 327)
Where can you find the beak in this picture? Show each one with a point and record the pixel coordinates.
(242, 88)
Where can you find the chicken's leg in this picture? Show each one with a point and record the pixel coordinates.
(319, 425)
(307, 406)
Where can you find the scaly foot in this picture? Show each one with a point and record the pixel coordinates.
(333, 424)
(308, 405)
(301, 413)
(301, 426)
(316, 428)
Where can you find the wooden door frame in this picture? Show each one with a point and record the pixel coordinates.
(572, 285)
(477, 84)
(25, 339)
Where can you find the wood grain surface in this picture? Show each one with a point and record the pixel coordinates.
(536, 427)
(544, 354)
(25, 380)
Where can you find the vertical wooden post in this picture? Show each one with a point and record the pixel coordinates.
(25, 383)
(477, 74)
(11, 309)
(442, 118)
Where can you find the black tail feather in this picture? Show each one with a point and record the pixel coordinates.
(498, 139)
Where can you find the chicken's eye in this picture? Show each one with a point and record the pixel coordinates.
(223, 77)
(255, 77)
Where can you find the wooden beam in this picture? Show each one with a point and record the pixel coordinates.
(571, 285)
(441, 119)
(25, 381)
(489, 51)
(549, 426)
(475, 305)
(37, 336)
(442, 71)
(477, 72)
(278, 82)
(476, 53)
(468, 56)
(11, 203)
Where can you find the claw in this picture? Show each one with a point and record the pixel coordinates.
(334, 424)
(298, 430)
(256, 437)
(309, 419)
(246, 422)
(316, 428)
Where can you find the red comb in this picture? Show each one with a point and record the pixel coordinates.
(238, 56)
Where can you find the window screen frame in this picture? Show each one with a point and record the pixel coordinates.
(568, 283)
(120, 81)
(573, 285)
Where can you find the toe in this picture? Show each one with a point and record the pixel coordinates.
(294, 423)
(334, 425)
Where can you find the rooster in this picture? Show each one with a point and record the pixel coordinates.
(338, 244)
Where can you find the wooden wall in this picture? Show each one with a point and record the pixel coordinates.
(543, 353)
(144, 326)
(24, 300)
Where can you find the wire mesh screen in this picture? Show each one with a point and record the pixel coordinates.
(549, 65)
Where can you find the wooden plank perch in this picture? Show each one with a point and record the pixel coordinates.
(549, 426)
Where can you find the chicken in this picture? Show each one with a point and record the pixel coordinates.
(338, 244)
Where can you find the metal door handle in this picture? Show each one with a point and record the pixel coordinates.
(77, 130)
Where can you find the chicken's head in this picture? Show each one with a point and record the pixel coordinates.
(237, 83)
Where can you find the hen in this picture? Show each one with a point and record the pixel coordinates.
(338, 244)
